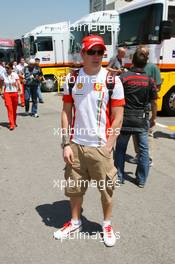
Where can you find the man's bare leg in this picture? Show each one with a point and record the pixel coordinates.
(75, 224)
(76, 204)
(107, 210)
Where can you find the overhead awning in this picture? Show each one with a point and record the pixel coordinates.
(6, 42)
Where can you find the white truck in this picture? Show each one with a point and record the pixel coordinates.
(152, 23)
(49, 43)
(103, 23)
(58, 45)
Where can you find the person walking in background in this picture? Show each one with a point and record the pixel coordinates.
(15, 66)
(32, 79)
(116, 63)
(20, 71)
(2, 69)
(152, 71)
(39, 94)
(140, 91)
(10, 86)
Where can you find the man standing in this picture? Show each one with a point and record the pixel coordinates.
(88, 154)
(140, 91)
(116, 63)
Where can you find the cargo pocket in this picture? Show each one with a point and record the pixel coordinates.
(111, 180)
(72, 186)
(104, 152)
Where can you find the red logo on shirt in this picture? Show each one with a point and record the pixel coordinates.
(98, 87)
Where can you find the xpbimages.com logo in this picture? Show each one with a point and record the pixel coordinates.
(87, 236)
(85, 131)
(85, 79)
(87, 27)
(102, 184)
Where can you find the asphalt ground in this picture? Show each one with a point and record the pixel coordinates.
(33, 206)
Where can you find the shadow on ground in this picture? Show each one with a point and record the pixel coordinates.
(58, 213)
(4, 124)
(128, 159)
(130, 178)
(160, 134)
(22, 114)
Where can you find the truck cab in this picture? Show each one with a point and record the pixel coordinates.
(152, 23)
(103, 23)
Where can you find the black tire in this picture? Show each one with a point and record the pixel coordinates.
(168, 106)
(51, 85)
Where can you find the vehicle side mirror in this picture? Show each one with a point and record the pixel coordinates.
(166, 28)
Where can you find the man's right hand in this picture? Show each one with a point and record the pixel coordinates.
(68, 155)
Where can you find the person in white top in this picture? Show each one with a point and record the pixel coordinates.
(87, 146)
(20, 71)
(2, 69)
(10, 87)
(15, 66)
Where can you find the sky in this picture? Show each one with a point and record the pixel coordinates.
(20, 16)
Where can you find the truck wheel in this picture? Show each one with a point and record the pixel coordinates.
(169, 102)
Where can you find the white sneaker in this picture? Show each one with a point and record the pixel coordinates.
(66, 230)
(109, 237)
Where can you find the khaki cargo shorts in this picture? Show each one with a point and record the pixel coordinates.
(92, 167)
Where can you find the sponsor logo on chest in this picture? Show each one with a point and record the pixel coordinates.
(98, 87)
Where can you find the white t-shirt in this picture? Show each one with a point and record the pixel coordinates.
(91, 122)
(10, 85)
(2, 71)
(20, 68)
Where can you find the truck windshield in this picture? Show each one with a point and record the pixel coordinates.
(26, 47)
(141, 26)
(171, 17)
(7, 54)
(79, 32)
(44, 44)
